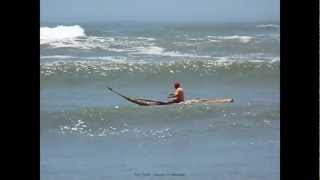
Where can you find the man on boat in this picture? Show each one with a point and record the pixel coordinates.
(178, 95)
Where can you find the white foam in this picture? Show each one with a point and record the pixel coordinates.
(159, 51)
(60, 32)
(242, 39)
(256, 61)
(268, 26)
(109, 58)
(195, 39)
(146, 38)
(75, 37)
(88, 42)
(276, 59)
(151, 50)
(120, 50)
(214, 40)
(114, 44)
(239, 59)
(57, 57)
(103, 67)
(178, 54)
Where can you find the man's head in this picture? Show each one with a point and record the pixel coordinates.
(176, 85)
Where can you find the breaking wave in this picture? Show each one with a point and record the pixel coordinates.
(242, 39)
(155, 50)
(99, 70)
(268, 26)
(48, 34)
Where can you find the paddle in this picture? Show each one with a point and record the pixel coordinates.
(136, 101)
(127, 98)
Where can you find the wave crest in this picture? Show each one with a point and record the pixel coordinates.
(242, 39)
(268, 26)
(50, 34)
(101, 69)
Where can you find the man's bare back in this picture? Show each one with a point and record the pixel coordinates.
(178, 94)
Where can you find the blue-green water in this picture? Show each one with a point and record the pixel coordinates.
(90, 133)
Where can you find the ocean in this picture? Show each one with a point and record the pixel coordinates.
(89, 133)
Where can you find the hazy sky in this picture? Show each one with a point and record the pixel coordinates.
(159, 10)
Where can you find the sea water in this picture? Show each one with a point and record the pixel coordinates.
(88, 133)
